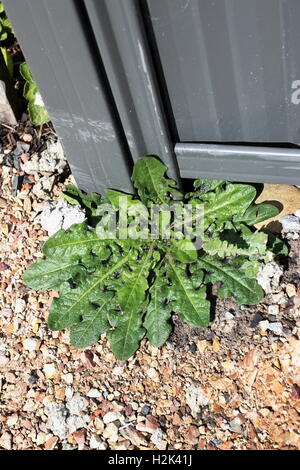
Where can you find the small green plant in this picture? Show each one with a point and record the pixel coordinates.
(37, 111)
(130, 287)
(6, 28)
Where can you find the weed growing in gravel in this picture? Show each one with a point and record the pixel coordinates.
(125, 272)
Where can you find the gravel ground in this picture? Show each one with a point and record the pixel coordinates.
(235, 385)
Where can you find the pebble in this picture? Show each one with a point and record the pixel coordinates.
(49, 371)
(153, 374)
(94, 393)
(235, 426)
(157, 439)
(290, 223)
(112, 416)
(51, 443)
(145, 410)
(264, 325)
(229, 316)
(276, 328)
(269, 277)
(4, 360)
(20, 306)
(12, 420)
(97, 443)
(31, 344)
(111, 432)
(68, 378)
(290, 290)
(6, 441)
(273, 309)
(61, 215)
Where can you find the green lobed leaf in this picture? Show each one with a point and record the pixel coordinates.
(51, 272)
(124, 339)
(37, 112)
(224, 204)
(90, 202)
(234, 283)
(66, 311)
(93, 323)
(188, 301)
(184, 251)
(78, 240)
(158, 314)
(149, 179)
(256, 213)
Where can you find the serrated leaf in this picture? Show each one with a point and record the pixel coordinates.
(50, 273)
(8, 61)
(38, 114)
(93, 323)
(149, 179)
(183, 250)
(256, 213)
(190, 303)
(158, 314)
(206, 185)
(124, 339)
(135, 284)
(78, 240)
(66, 311)
(246, 291)
(37, 111)
(90, 202)
(226, 203)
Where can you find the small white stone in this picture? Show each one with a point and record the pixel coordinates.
(50, 371)
(290, 223)
(264, 325)
(96, 442)
(68, 378)
(61, 215)
(3, 360)
(273, 309)
(153, 374)
(276, 327)
(229, 316)
(269, 276)
(111, 432)
(111, 416)
(94, 393)
(69, 392)
(297, 213)
(12, 420)
(20, 306)
(291, 290)
(6, 441)
(31, 344)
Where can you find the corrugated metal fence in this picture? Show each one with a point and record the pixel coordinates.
(212, 87)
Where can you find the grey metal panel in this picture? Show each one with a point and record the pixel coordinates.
(229, 66)
(57, 43)
(239, 163)
(120, 34)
